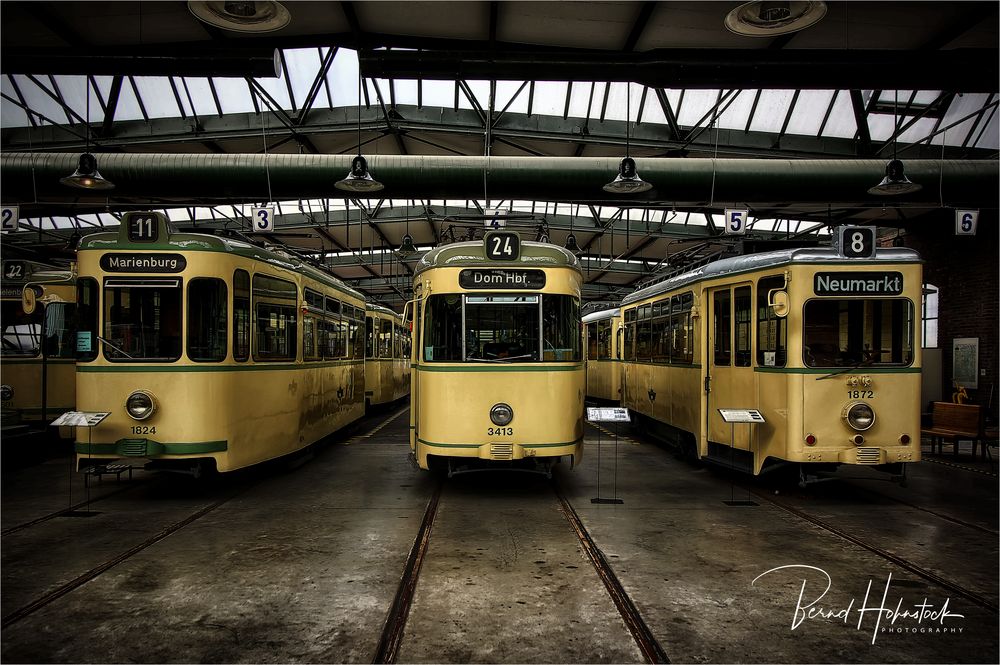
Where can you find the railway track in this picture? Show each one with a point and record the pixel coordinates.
(73, 508)
(395, 622)
(914, 568)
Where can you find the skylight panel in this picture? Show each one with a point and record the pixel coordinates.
(738, 112)
(406, 91)
(652, 112)
(841, 123)
(771, 111)
(201, 95)
(128, 105)
(157, 96)
(36, 99)
(579, 100)
(234, 95)
(442, 93)
(961, 106)
(303, 65)
(550, 98)
(918, 131)
(810, 108)
(343, 79)
(278, 90)
(696, 104)
(481, 92)
(12, 114)
(505, 93)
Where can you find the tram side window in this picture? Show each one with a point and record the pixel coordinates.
(592, 332)
(743, 306)
(628, 352)
(357, 332)
(241, 315)
(772, 331)
(207, 316)
(385, 339)
(275, 306)
(59, 329)
(604, 333)
(443, 328)
(142, 319)
(661, 332)
(561, 329)
(21, 332)
(723, 327)
(642, 343)
(86, 319)
(681, 329)
(369, 337)
(310, 338)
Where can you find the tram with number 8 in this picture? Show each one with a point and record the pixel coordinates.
(387, 356)
(38, 355)
(497, 371)
(823, 342)
(210, 352)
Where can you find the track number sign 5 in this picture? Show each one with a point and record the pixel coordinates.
(502, 246)
(736, 222)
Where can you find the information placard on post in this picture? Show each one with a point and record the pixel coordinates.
(607, 415)
(741, 415)
(80, 419)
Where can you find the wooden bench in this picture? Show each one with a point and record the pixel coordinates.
(954, 422)
(111, 469)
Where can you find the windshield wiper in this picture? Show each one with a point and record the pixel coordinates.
(869, 361)
(121, 351)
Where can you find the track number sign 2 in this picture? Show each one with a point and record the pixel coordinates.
(262, 219)
(10, 215)
(502, 246)
(736, 222)
(857, 242)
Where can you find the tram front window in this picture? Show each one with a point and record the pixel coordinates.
(502, 328)
(21, 332)
(142, 320)
(857, 333)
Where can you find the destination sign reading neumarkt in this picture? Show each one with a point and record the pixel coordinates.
(122, 262)
(858, 283)
(500, 278)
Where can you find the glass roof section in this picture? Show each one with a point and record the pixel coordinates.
(965, 120)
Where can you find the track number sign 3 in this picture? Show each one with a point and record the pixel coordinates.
(502, 246)
(263, 220)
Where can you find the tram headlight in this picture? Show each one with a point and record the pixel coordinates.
(6, 392)
(501, 414)
(140, 405)
(860, 416)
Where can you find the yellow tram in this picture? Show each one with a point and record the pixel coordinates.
(603, 333)
(38, 354)
(210, 351)
(825, 346)
(497, 367)
(387, 356)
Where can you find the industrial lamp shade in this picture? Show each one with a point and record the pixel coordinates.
(628, 180)
(359, 179)
(895, 181)
(86, 175)
(407, 248)
(571, 244)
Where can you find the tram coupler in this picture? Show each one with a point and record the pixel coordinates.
(806, 479)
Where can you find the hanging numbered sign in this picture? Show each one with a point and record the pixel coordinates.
(502, 246)
(10, 215)
(736, 222)
(857, 242)
(496, 220)
(262, 219)
(965, 222)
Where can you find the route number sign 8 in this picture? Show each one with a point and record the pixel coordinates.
(857, 242)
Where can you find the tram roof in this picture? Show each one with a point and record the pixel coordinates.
(204, 242)
(473, 253)
(372, 307)
(765, 260)
(603, 314)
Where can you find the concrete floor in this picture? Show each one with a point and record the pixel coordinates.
(302, 564)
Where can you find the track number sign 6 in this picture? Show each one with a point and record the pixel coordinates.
(857, 242)
(502, 246)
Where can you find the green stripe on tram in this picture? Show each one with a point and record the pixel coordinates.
(38, 361)
(480, 445)
(169, 367)
(835, 370)
(501, 368)
(147, 447)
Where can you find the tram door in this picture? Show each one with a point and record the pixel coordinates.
(731, 379)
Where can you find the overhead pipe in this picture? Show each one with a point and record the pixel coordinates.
(233, 61)
(956, 70)
(34, 177)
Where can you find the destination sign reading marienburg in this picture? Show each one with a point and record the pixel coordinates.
(500, 278)
(121, 262)
(858, 283)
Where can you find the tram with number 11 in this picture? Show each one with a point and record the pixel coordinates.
(497, 375)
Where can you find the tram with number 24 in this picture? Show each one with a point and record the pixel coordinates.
(823, 343)
(497, 371)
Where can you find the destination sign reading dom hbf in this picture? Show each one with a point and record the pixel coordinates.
(889, 283)
(129, 262)
(500, 278)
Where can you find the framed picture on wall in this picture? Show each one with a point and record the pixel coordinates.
(965, 362)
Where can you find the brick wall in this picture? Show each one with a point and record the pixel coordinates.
(966, 269)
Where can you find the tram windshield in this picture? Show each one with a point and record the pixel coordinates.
(857, 333)
(142, 320)
(21, 332)
(502, 328)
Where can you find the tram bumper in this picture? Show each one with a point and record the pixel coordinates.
(877, 455)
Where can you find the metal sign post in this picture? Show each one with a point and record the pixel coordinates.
(733, 416)
(607, 415)
(90, 420)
